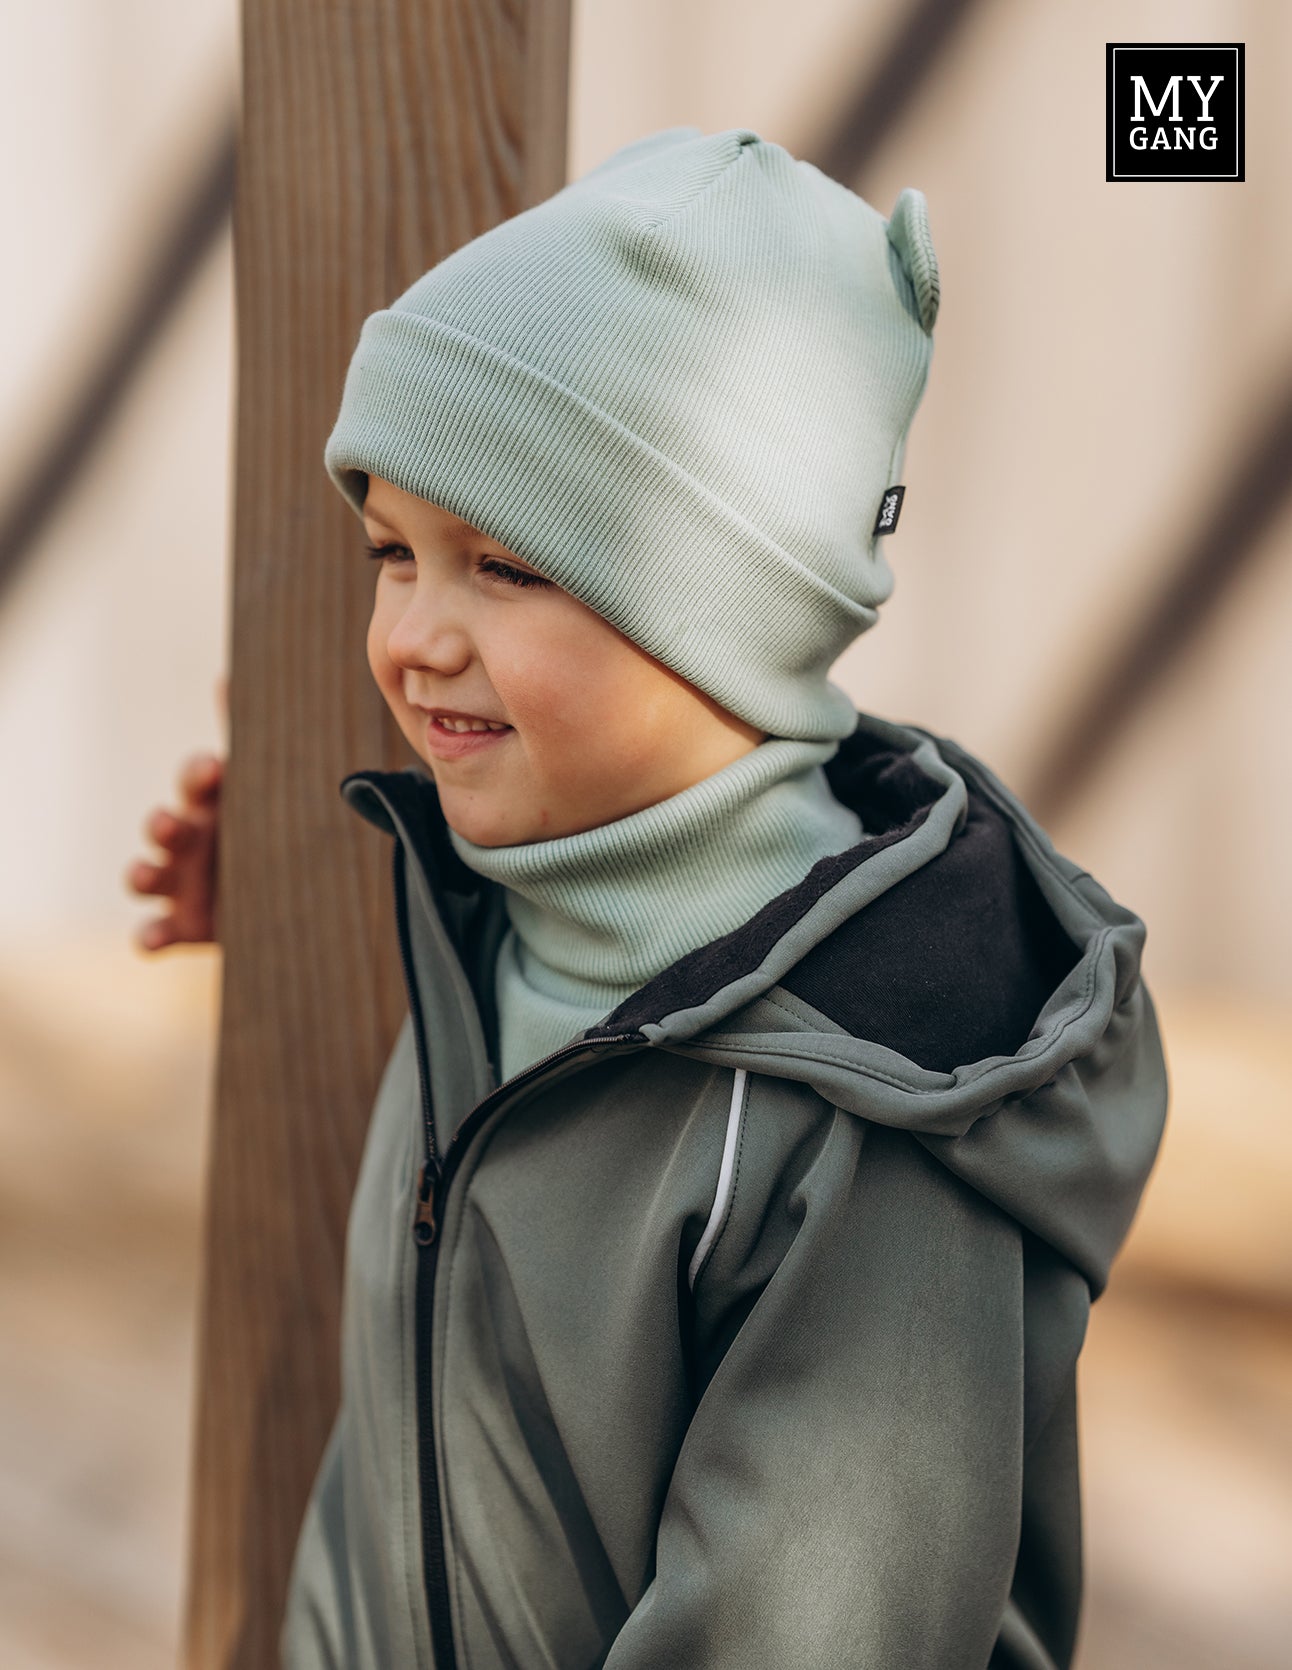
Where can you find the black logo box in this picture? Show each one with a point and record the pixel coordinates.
(1162, 125)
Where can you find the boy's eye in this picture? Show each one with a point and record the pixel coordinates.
(508, 571)
(380, 553)
(397, 554)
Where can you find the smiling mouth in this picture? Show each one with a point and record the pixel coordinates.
(448, 743)
(459, 727)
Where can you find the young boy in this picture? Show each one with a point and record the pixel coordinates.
(773, 1097)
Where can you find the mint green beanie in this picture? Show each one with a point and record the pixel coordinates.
(678, 388)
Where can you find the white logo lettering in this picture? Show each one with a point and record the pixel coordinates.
(1178, 139)
(1172, 92)
(1204, 100)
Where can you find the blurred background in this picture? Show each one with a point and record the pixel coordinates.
(1093, 594)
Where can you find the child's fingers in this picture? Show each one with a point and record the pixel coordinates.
(201, 778)
(185, 874)
(191, 924)
(170, 830)
(144, 877)
(154, 935)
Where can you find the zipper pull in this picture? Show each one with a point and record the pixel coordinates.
(425, 1227)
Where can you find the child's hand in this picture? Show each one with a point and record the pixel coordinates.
(187, 874)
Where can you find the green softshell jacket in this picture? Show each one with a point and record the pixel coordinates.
(742, 1329)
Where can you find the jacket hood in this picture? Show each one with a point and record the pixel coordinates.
(951, 974)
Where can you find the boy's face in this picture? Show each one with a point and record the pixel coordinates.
(595, 727)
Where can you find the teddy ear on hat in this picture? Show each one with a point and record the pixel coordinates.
(908, 233)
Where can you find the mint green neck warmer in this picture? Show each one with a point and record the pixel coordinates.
(595, 915)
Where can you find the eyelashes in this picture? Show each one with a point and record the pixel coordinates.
(488, 565)
(495, 565)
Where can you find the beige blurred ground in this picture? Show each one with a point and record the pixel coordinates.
(1098, 350)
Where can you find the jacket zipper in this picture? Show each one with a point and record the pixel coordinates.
(433, 1181)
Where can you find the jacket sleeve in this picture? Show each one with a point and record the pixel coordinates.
(849, 1489)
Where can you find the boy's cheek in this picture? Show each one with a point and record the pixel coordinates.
(374, 651)
(557, 683)
(385, 674)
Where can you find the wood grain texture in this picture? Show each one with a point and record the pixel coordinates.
(376, 136)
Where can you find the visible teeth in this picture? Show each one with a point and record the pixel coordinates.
(468, 724)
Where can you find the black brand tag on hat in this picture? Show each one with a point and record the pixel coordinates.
(890, 509)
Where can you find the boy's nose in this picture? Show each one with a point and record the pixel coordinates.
(427, 635)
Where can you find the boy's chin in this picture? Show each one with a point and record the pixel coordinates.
(478, 823)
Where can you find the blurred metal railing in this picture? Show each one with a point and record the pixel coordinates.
(880, 100)
(1251, 485)
(201, 215)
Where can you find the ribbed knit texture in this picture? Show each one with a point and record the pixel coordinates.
(678, 388)
(595, 914)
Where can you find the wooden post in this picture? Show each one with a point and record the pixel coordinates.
(376, 137)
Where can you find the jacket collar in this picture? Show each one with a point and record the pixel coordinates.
(911, 804)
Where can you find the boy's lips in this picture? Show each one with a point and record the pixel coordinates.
(455, 745)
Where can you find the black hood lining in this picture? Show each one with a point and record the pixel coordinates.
(954, 963)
